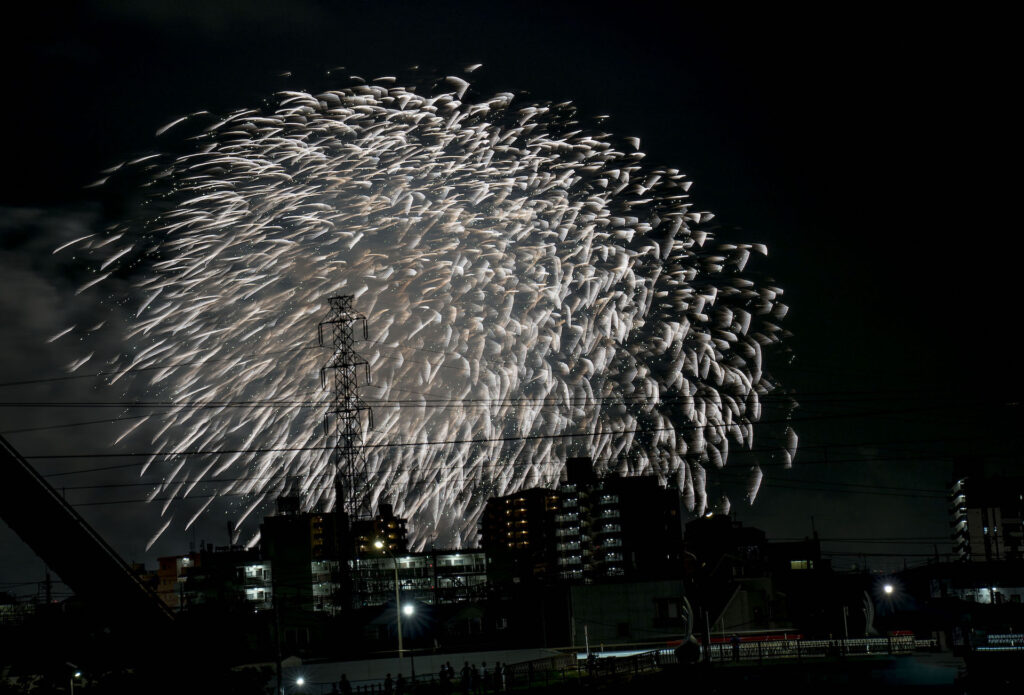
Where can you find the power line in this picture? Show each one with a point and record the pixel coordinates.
(802, 398)
(870, 539)
(876, 554)
(66, 425)
(134, 370)
(910, 492)
(722, 426)
(277, 476)
(803, 462)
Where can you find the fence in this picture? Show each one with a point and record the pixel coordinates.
(808, 649)
(999, 642)
(525, 675)
(607, 670)
(539, 671)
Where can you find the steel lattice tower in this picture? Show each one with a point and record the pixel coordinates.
(350, 467)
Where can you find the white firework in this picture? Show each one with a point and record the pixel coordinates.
(532, 291)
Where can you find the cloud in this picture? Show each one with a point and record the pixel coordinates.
(37, 302)
(216, 17)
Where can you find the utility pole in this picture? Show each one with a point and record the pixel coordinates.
(350, 467)
(277, 643)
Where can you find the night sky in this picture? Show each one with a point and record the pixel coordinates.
(871, 151)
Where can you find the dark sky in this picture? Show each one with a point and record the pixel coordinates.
(869, 149)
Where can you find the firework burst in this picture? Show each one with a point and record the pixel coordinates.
(533, 291)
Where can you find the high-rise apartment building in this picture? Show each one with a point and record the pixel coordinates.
(384, 527)
(586, 529)
(518, 534)
(986, 515)
(433, 577)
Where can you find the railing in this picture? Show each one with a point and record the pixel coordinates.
(539, 669)
(595, 671)
(807, 649)
(611, 666)
(522, 676)
(1001, 643)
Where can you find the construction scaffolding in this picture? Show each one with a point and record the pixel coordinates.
(350, 483)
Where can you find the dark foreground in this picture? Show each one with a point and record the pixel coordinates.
(939, 672)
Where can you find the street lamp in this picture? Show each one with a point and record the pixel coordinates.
(409, 609)
(76, 674)
(380, 545)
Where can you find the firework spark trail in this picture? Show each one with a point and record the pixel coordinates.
(499, 252)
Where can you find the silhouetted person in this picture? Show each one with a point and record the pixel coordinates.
(467, 676)
(450, 676)
(400, 685)
(735, 641)
(344, 685)
(499, 677)
(389, 685)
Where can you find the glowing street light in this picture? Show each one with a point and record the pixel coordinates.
(409, 609)
(379, 545)
(888, 589)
